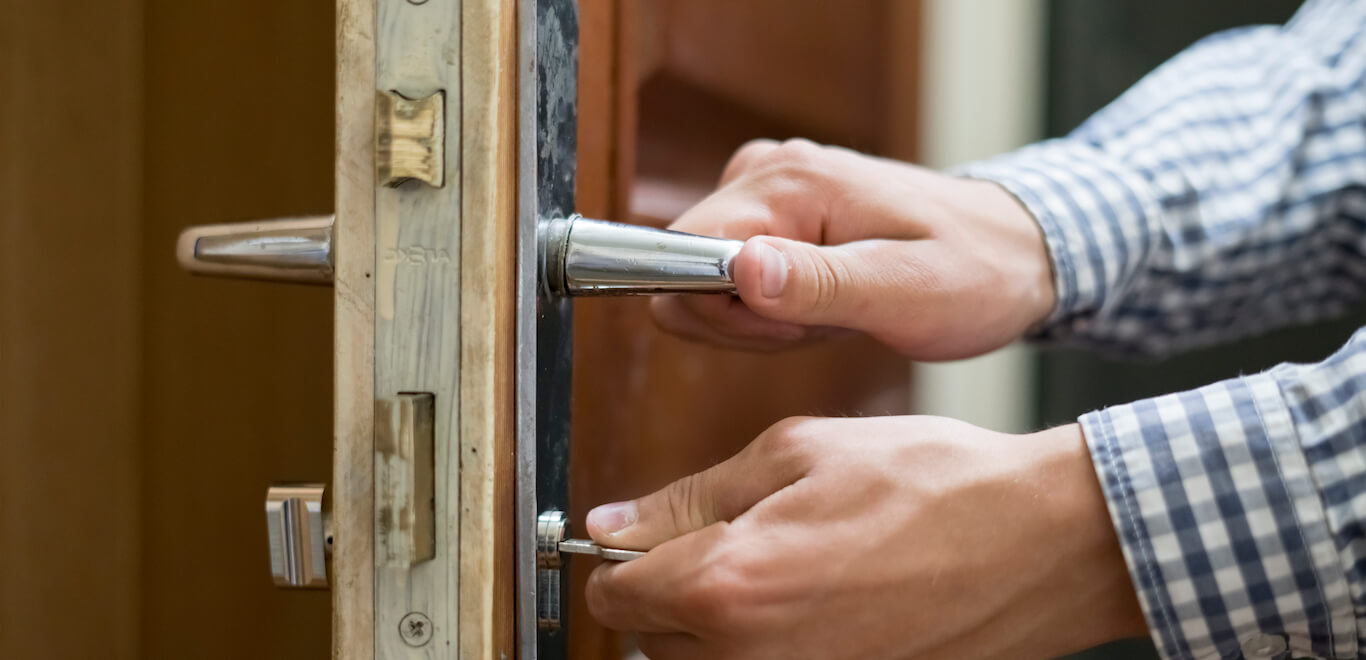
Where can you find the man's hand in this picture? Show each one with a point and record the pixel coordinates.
(934, 266)
(892, 537)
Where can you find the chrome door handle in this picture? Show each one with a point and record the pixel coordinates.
(579, 256)
(282, 250)
(582, 257)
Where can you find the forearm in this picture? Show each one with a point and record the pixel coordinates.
(1220, 196)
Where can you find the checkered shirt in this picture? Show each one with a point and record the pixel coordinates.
(1224, 195)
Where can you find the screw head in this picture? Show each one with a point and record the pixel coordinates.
(415, 629)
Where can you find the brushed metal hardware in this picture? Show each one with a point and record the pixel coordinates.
(587, 547)
(580, 257)
(551, 527)
(405, 473)
(284, 249)
(297, 530)
(410, 139)
(551, 546)
(416, 629)
(583, 257)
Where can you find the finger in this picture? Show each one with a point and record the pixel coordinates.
(632, 603)
(746, 157)
(735, 211)
(663, 592)
(724, 321)
(670, 646)
(863, 285)
(768, 464)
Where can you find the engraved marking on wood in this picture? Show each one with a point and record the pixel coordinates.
(416, 255)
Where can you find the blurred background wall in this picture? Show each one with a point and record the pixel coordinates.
(1096, 51)
(982, 93)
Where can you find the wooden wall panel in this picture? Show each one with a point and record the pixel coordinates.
(238, 125)
(70, 84)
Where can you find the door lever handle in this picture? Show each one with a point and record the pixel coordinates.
(582, 257)
(579, 256)
(285, 250)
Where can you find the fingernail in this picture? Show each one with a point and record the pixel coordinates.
(614, 517)
(772, 270)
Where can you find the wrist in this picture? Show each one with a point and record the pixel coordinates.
(1103, 591)
(1024, 248)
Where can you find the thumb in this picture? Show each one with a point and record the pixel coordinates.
(799, 282)
(720, 493)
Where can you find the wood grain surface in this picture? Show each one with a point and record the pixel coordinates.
(666, 94)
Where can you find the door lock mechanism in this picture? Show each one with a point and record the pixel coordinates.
(579, 256)
(551, 527)
(299, 535)
(282, 250)
(551, 545)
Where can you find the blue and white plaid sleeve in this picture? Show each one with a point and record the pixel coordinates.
(1224, 194)
(1241, 510)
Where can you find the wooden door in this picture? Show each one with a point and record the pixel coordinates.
(194, 394)
(423, 303)
(143, 412)
(668, 90)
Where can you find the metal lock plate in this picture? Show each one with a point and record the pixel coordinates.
(547, 127)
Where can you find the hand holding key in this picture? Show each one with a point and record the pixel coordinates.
(813, 542)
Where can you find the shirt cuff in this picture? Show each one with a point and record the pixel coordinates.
(1222, 525)
(1098, 217)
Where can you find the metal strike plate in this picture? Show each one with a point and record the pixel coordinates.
(410, 139)
(297, 530)
(548, 45)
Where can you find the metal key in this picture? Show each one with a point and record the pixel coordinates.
(586, 547)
